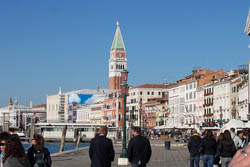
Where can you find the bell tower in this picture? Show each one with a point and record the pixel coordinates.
(117, 60)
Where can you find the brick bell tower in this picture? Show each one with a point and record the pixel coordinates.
(117, 60)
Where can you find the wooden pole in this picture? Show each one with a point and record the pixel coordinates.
(32, 130)
(4, 126)
(78, 139)
(63, 138)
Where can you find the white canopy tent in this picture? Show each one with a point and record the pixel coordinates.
(184, 127)
(233, 123)
(247, 125)
(163, 127)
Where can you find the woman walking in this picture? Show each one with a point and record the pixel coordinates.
(208, 147)
(14, 154)
(226, 149)
(39, 155)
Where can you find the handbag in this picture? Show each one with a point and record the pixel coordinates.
(216, 160)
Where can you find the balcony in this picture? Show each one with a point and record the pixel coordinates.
(208, 94)
(208, 115)
(207, 104)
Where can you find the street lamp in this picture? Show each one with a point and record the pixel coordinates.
(124, 92)
(221, 115)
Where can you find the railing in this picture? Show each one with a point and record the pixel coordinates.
(208, 115)
(209, 93)
(207, 104)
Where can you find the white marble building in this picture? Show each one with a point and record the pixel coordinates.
(242, 103)
(175, 118)
(191, 114)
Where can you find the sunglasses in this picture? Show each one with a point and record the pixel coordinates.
(2, 144)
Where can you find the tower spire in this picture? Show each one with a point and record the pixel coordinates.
(118, 43)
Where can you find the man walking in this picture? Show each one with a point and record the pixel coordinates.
(193, 148)
(237, 140)
(101, 151)
(139, 149)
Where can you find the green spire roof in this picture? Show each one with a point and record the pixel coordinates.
(118, 43)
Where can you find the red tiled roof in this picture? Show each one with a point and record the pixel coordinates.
(155, 85)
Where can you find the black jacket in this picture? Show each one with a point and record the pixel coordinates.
(209, 146)
(101, 152)
(194, 144)
(31, 156)
(139, 149)
(226, 150)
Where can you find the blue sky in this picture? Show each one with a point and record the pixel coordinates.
(45, 44)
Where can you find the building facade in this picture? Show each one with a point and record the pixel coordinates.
(140, 95)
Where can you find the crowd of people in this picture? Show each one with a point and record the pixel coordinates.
(13, 153)
(219, 150)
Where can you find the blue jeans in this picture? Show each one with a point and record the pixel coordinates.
(208, 160)
(194, 158)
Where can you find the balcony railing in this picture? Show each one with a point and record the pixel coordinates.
(208, 115)
(209, 93)
(207, 104)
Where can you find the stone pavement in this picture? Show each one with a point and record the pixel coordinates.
(177, 156)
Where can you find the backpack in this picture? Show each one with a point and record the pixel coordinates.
(245, 142)
(40, 160)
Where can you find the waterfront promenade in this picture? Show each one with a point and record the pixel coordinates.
(177, 156)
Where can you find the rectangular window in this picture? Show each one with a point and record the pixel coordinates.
(159, 93)
(194, 95)
(190, 86)
(148, 93)
(186, 96)
(190, 95)
(186, 87)
(120, 106)
(140, 92)
(152, 93)
(190, 108)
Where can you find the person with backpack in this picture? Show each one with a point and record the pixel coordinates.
(246, 138)
(236, 139)
(193, 148)
(39, 155)
(14, 154)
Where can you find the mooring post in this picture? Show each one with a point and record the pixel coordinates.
(78, 139)
(63, 138)
(32, 130)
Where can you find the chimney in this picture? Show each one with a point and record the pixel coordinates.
(60, 91)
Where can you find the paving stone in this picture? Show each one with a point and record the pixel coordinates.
(175, 157)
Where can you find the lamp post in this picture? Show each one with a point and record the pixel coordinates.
(124, 91)
(247, 31)
(221, 115)
(248, 98)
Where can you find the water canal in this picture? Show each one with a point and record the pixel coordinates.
(54, 147)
